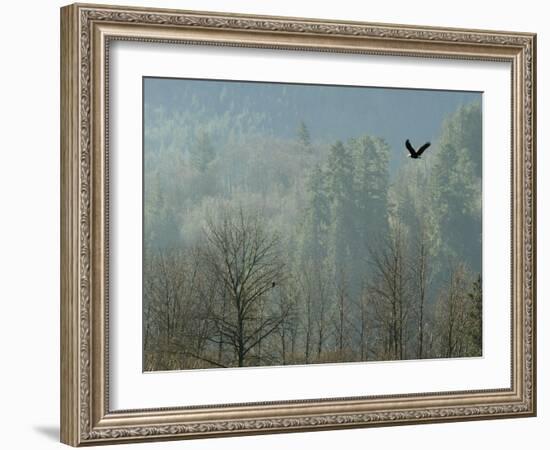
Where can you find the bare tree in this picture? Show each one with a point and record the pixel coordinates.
(306, 291)
(243, 257)
(421, 277)
(286, 307)
(389, 290)
(475, 318)
(362, 324)
(174, 327)
(314, 295)
(322, 310)
(451, 314)
(341, 319)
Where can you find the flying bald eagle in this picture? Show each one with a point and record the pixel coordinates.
(415, 154)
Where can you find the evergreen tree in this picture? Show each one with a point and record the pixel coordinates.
(160, 219)
(342, 233)
(456, 187)
(203, 152)
(304, 137)
(314, 229)
(371, 160)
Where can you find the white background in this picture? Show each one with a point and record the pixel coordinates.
(132, 389)
(29, 235)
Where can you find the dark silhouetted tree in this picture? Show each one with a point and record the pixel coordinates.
(244, 257)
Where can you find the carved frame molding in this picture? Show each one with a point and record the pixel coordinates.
(86, 32)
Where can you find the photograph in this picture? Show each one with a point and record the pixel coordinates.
(295, 224)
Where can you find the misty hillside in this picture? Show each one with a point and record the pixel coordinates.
(276, 109)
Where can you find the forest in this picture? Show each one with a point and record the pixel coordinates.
(272, 239)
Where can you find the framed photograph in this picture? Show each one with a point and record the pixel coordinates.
(274, 224)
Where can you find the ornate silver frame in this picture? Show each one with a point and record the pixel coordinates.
(86, 31)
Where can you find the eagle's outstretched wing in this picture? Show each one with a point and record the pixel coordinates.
(410, 148)
(424, 147)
